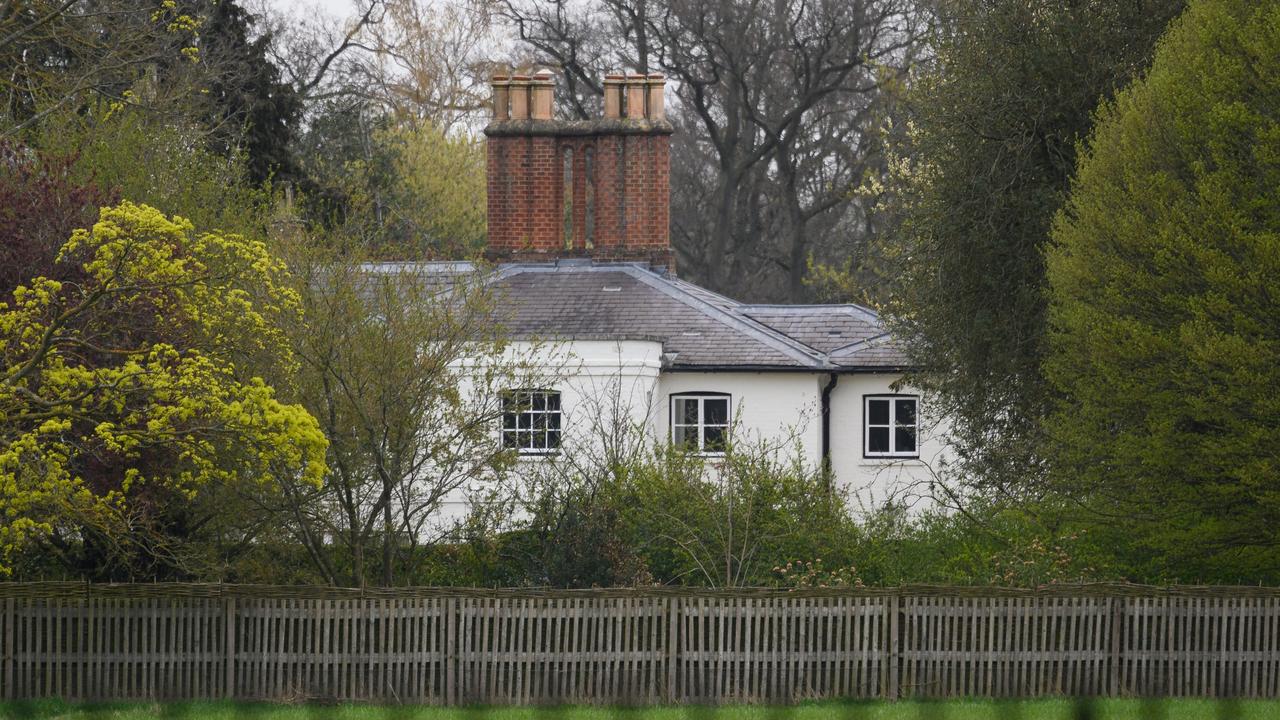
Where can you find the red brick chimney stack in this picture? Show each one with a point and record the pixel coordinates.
(596, 189)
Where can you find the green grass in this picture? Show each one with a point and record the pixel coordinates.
(906, 710)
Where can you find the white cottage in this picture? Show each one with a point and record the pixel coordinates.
(578, 218)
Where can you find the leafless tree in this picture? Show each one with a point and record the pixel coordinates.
(778, 103)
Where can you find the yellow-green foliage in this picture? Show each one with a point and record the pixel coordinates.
(128, 378)
(1165, 302)
(442, 187)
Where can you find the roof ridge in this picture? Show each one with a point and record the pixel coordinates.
(843, 349)
(728, 300)
(771, 337)
(855, 307)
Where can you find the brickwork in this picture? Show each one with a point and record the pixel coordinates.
(620, 200)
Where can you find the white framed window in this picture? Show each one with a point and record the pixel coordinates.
(531, 421)
(700, 421)
(891, 426)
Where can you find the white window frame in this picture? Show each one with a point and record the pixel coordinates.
(893, 427)
(701, 425)
(533, 448)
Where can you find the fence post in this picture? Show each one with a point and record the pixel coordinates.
(229, 646)
(673, 610)
(1117, 616)
(451, 624)
(10, 630)
(891, 650)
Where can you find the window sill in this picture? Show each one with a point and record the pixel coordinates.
(536, 456)
(887, 459)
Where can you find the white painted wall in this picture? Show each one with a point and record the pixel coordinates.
(871, 482)
(776, 409)
(612, 388)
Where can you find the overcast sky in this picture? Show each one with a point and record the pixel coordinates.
(338, 9)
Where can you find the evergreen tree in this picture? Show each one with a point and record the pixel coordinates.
(250, 109)
(995, 124)
(1165, 304)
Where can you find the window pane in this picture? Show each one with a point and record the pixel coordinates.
(553, 421)
(508, 421)
(524, 421)
(904, 439)
(509, 440)
(687, 437)
(905, 412)
(714, 439)
(553, 401)
(524, 439)
(878, 412)
(687, 411)
(715, 411)
(553, 439)
(878, 440)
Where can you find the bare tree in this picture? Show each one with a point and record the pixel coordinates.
(406, 375)
(778, 105)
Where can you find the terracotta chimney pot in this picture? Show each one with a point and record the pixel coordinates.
(501, 97)
(542, 92)
(635, 96)
(613, 96)
(655, 109)
(520, 97)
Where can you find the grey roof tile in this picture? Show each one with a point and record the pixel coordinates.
(697, 327)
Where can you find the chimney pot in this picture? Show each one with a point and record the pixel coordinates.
(501, 97)
(656, 83)
(635, 96)
(613, 96)
(520, 97)
(542, 92)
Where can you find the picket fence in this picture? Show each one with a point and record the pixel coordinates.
(451, 646)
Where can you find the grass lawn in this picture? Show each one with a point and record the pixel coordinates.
(954, 710)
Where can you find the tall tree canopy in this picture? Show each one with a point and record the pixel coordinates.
(1165, 311)
(996, 121)
(123, 395)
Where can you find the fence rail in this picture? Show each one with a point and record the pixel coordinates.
(449, 646)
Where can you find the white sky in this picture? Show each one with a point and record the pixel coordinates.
(337, 9)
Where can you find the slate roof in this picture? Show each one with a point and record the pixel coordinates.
(699, 329)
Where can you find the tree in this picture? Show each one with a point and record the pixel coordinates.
(419, 194)
(775, 108)
(64, 55)
(394, 99)
(405, 370)
(162, 162)
(250, 109)
(40, 205)
(996, 120)
(1165, 335)
(121, 399)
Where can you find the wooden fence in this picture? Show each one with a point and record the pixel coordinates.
(450, 646)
